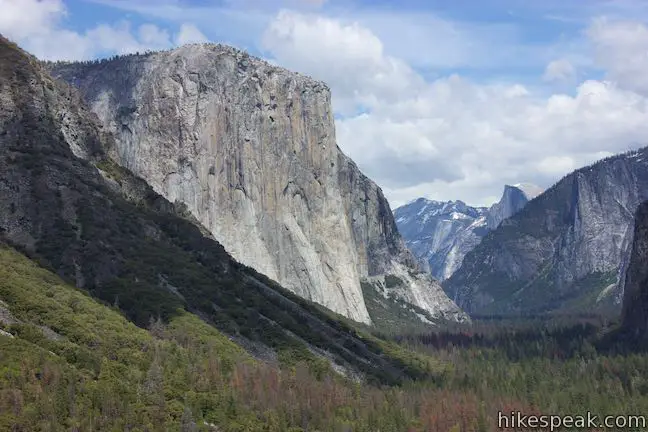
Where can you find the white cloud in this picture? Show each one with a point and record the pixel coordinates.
(38, 26)
(120, 38)
(229, 23)
(556, 165)
(189, 33)
(622, 49)
(347, 55)
(422, 38)
(22, 18)
(152, 36)
(559, 70)
(451, 138)
(30, 22)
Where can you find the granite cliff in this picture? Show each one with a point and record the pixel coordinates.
(250, 149)
(514, 198)
(564, 250)
(635, 299)
(440, 234)
(67, 206)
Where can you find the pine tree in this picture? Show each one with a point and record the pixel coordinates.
(187, 423)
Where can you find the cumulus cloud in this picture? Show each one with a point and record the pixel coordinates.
(22, 18)
(559, 70)
(622, 50)
(445, 138)
(119, 38)
(451, 138)
(31, 23)
(37, 25)
(348, 56)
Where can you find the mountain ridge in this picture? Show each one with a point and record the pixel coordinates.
(441, 233)
(250, 149)
(564, 249)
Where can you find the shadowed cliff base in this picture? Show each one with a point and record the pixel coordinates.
(250, 149)
(67, 205)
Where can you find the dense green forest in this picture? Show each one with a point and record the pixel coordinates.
(69, 363)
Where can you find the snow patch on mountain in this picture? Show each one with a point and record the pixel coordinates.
(441, 233)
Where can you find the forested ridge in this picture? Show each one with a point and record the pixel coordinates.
(75, 364)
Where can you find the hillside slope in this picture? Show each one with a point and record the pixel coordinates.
(564, 250)
(71, 343)
(108, 233)
(68, 362)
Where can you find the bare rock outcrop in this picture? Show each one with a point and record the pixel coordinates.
(635, 299)
(250, 149)
(565, 250)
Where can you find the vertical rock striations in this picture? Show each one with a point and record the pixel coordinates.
(513, 200)
(635, 299)
(564, 250)
(440, 234)
(106, 231)
(250, 149)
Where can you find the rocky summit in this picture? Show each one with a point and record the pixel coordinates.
(440, 234)
(514, 198)
(250, 149)
(565, 250)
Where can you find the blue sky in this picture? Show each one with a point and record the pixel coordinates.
(442, 99)
(504, 23)
(517, 27)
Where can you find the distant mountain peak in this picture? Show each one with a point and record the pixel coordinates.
(514, 198)
(567, 251)
(441, 233)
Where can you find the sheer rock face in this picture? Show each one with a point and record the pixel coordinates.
(250, 149)
(565, 247)
(98, 226)
(635, 300)
(440, 234)
(513, 200)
